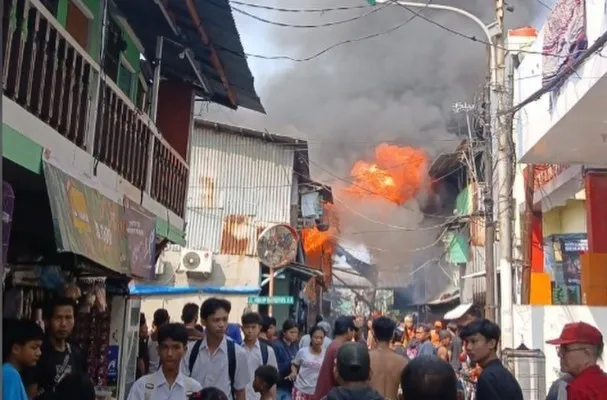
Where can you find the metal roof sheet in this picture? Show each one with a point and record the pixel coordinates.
(148, 22)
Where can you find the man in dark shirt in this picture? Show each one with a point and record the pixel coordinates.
(425, 346)
(59, 357)
(495, 382)
(344, 331)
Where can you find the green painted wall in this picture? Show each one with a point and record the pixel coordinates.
(21, 150)
(95, 42)
(62, 12)
(131, 54)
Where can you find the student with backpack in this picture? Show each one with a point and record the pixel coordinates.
(216, 361)
(168, 382)
(258, 352)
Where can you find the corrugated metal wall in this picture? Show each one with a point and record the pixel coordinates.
(238, 186)
(475, 288)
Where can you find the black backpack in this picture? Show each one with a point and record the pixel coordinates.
(264, 352)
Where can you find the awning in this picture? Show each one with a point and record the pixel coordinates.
(86, 222)
(299, 270)
(157, 290)
(458, 312)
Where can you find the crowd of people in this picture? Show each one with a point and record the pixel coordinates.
(217, 360)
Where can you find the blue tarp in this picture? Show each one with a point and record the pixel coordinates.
(153, 290)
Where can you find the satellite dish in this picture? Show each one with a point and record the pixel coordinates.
(277, 246)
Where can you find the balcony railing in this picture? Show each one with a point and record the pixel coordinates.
(48, 73)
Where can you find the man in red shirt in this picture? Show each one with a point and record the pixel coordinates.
(344, 332)
(580, 346)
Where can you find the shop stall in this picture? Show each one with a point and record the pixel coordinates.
(28, 288)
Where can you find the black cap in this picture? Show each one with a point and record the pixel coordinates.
(353, 362)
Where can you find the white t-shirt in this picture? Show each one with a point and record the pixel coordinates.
(309, 367)
(306, 341)
(255, 361)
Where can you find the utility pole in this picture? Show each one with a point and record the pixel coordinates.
(489, 135)
(504, 182)
(487, 195)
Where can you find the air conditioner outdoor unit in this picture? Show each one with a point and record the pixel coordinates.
(197, 262)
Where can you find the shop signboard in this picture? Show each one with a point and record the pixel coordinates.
(86, 222)
(271, 300)
(140, 228)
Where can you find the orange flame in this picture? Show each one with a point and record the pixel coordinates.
(396, 173)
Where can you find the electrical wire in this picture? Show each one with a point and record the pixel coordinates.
(300, 10)
(395, 227)
(307, 26)
(377, 34)
(546, 6)
(326, 49)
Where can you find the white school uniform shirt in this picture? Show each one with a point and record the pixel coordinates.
(154, 358)
(180, 390)
(255, 360)
(211, 370)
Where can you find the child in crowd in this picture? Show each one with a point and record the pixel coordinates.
(21, 344)
(266, 378)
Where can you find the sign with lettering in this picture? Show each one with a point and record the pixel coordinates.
(86, 222)
(271, 300)
(545, 173)
(112, 366)
(140, 228)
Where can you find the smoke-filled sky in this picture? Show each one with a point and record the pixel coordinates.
(397, 87)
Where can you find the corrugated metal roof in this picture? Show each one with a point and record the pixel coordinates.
(238, 186)
(148, 22)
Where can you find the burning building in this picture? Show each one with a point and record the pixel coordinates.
(387, 228)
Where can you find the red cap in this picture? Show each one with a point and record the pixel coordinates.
(578, 332)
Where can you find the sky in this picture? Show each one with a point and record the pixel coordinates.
(398, 86)
(395, 87)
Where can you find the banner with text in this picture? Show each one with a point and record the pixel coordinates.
(141, 238)
(86, 222)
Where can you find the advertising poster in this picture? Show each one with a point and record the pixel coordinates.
(562, 255)
(141, 235)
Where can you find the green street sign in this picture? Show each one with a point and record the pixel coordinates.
(271, 300)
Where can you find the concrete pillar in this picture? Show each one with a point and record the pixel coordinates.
(595, 183)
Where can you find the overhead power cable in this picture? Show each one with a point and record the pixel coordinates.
(326, 49)
(370, 36)
(307, 26)
(300, 10)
